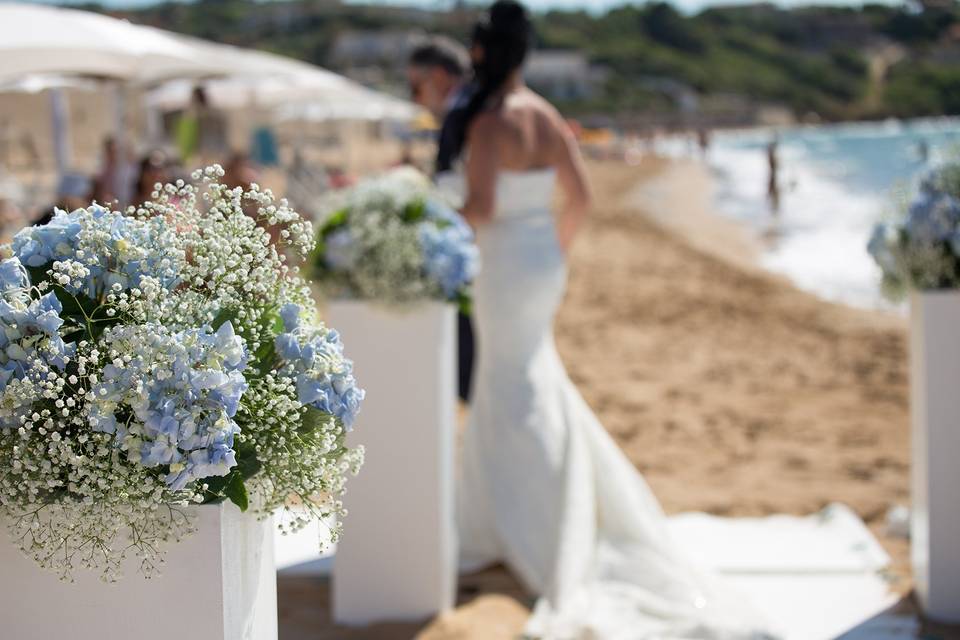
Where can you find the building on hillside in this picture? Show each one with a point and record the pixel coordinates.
(563, 75)
(354, 52)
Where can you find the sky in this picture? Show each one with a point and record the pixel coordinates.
(689, 6)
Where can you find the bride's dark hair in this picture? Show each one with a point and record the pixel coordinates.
(504, 34)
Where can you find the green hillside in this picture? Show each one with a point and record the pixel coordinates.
(836, 63)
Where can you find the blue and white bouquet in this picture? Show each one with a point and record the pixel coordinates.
(921, 251)
(162, 357)
(391, 239)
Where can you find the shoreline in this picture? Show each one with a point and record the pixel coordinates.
(687, 185)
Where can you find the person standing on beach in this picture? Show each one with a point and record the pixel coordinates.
(773, 182)
(437, 72)
(542, 487)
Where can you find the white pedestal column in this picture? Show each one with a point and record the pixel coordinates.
(397, 557)
(217, 584)
(935, 396)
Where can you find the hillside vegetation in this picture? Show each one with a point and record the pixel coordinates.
(837, 63)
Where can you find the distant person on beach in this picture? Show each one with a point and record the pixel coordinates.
(339, 178)
(154, 168)
(239, 172)
(201, 130)
(438, 72)
(703, 139)
(114, 181)
(773, 182)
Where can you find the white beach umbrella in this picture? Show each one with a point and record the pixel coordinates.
(290, 87)
(38, 83)
(36, 39)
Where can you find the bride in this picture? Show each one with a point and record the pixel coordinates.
(543, 488)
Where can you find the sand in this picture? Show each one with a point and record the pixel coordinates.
(731, 390)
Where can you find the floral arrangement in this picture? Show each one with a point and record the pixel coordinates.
(922, 249)
(163, 357)
(393, 240)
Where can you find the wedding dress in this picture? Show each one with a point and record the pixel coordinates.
(542, 486)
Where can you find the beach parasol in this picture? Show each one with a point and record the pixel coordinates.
(37, 39)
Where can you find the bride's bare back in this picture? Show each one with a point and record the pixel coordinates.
(523, 132)
(527, 130)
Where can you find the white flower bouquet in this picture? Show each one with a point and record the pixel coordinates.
(391, 239)
(158, 358)
(921, 251)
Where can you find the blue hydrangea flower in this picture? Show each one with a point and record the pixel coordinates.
(29, 330)
(324, 378)
(12, 275)
(932, 217)
(450, 256)
(184, 418)
(339, 250)
(288, 346)
(116, 249)
(39, 245)
(290, 314)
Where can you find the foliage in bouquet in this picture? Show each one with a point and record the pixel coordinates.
(162, 357)
(393, 240)
(921, 250)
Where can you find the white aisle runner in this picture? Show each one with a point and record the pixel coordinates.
(815, 577)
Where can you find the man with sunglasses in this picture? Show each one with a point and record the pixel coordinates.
(438, 74)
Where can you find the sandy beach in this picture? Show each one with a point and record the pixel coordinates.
(731, 390)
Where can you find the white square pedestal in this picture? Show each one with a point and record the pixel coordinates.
(935, 400)
(397, 557)
(217, 584)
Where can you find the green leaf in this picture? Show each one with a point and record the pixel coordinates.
(236, 491)
(464, 302)
(232, 486)
(223, 316)
(313, 419)
(334, 222)
(415, 211)
(266, 357)
(38, 274)
(248, 464)
(274, 321)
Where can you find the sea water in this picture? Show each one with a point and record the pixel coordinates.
(835, 183)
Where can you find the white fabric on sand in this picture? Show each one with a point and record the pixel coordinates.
(545, 489)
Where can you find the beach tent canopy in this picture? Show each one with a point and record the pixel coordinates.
(38, 83)
(37, 39)
(293, 89)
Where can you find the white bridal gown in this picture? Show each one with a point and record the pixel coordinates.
(543, 487)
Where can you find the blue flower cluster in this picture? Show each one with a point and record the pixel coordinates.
(29, 327)
(114, 247)
(450, 255)
(340, 252)
(934, 216)
(324, 378)
(922, 251)
(182, 391)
